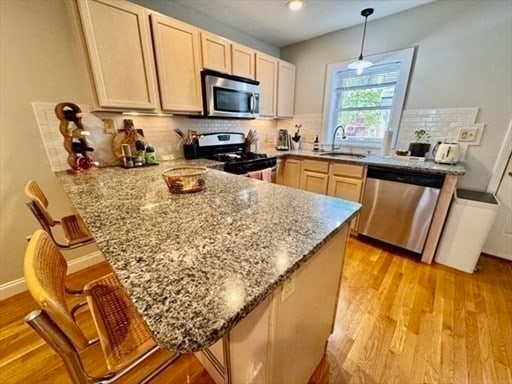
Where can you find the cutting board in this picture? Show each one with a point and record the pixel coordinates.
(126, 137)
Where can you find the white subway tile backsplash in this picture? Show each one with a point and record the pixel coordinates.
(441, 124)
(158, 131)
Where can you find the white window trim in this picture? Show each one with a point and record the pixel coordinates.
(405, 56)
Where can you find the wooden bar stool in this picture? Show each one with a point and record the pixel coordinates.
(123, 336)
(74, 229)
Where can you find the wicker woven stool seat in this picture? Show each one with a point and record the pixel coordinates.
(123, 336)
(74, 229)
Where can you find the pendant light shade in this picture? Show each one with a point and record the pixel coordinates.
(360, 64)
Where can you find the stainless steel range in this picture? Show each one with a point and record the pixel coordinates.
(229, 148)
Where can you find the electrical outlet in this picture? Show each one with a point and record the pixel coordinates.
(467, 135)
(109, 126)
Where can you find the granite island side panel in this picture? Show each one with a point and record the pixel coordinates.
(194, 265)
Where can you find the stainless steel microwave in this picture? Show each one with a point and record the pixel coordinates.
(228, 96)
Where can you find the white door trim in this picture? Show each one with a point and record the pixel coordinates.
(501, 161)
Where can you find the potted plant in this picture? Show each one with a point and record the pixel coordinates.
(420, 146)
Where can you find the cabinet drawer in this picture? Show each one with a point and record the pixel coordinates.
(349, 170)
(316, 166)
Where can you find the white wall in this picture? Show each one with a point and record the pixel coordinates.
(39, 61)
(191, 16)
(464, 59)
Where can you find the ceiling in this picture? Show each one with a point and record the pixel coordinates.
(272, 22)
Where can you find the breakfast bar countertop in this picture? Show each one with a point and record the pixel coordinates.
(196, 264)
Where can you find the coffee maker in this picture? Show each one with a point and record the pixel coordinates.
(283, 140)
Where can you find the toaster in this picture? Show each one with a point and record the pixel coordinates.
(447, 153)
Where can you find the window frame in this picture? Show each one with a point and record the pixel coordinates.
(405, 56)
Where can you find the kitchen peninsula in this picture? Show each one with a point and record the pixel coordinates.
(246, 272)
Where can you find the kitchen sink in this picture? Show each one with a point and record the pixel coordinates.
(343, 154)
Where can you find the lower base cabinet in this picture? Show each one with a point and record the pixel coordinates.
(284, 338)
(288, 172)
(342, 180)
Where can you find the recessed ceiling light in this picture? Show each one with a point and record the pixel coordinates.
(295, 5)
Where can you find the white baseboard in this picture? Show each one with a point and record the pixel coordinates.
(17, 286)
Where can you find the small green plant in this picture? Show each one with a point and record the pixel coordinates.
(421, 135)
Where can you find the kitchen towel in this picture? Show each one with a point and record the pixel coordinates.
(258, 175)
(386, 142)
(266, 174)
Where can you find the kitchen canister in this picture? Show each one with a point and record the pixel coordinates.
(386, 142)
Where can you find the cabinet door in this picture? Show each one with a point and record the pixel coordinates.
(120, 53)
(285, 89)
(314, 182)
(243, 60)
(216, 53)
(348, 189)
(266, 74)
(289, 173)
(178, 64)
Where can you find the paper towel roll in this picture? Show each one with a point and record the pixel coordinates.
(386, 142)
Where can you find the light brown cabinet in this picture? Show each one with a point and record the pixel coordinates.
(243, 61)
(178, 63)
(266, 74)
(314, 176)
(342, 180)
(216, 52)
(120, 52)
(285, 89)
(125, 55)
(289, 172)
(346, 181)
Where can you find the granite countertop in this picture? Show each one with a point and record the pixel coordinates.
(428, 166)
(194, 265)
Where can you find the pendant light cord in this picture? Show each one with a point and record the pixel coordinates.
(365, 12)
(364, 34)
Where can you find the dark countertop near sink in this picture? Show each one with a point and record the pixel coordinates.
(428, 166)
(194, 265)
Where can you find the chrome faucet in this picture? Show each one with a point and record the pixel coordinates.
(343, 136)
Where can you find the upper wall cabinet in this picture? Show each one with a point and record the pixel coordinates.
(118, 41)
(266, 74)
(285, 89)
(178, 64)
(216, 52)
(243, 60)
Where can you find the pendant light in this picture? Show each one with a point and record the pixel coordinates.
(361, 64)
(294, 5)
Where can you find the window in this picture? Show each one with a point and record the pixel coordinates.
(367, 104)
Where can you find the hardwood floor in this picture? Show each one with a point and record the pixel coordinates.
(398, 321)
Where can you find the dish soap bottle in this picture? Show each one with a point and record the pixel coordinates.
(316, 144)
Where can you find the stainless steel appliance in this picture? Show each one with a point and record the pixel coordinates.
(283, 140)
(398, 206)
(229, 96)
(228, 147)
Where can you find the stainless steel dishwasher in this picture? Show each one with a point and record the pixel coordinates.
(398, 206)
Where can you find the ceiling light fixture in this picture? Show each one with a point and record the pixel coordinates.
(294, 5)
(361, 64)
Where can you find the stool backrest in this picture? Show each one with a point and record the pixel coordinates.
(45, 271)
(37, 196)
